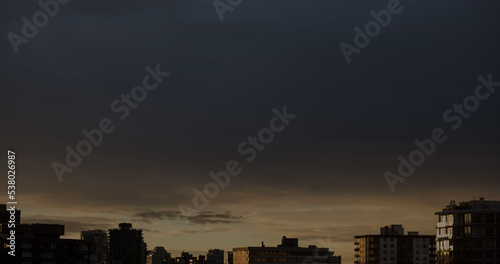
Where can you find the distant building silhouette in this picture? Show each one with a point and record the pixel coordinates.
(185, 258)
(230, 257)
(126, 245)
(215, 256)
(201, 259)
(469, 232)
(392, 246)
(98, 245)
(288, 252)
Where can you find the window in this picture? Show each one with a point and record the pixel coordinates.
(468, 219)
(477, 243)
(26, 245)
(489, 218)
(477, 218)
(467, 231)
(84, 247)
(47, 255)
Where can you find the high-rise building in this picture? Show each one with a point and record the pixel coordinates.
(98, 245)
(289, 251)
(126, 245)
(215, 256)
(230, 257)
(469, 232)
(392, 246)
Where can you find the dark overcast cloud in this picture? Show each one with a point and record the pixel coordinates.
(353, 120)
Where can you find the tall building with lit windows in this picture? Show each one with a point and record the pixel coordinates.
(469, 233)
(288, 252)
(392, 246)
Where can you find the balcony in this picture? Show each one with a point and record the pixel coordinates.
(441, 224)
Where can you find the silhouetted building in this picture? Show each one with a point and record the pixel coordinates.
(392, 246)
(98, 245)
(215, 256)
(185, 258)
(230, 257)
(201, 259)
(38, 243)
(159, 256)
(288, 251)
(469, 232)
(41, 243)
(126, 245)
(5, 215)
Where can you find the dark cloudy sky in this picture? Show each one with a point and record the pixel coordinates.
(321, 179)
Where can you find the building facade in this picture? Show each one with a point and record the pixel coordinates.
(38, 243)
(215, 256)
(126, 245)
(469, 232)
(288, 252)
(41, 243)
(98, 245)
(392, 246)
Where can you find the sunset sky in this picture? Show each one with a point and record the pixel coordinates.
(321, 179)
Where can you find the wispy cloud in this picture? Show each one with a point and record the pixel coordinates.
(202, 218)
